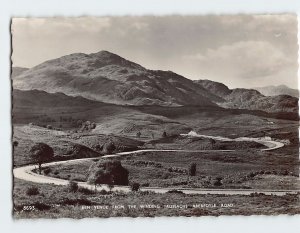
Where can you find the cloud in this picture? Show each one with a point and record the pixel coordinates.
(225, 48)
(245, 59)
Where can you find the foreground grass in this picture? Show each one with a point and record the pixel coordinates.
(58, 201)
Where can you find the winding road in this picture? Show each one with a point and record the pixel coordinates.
(26, 172)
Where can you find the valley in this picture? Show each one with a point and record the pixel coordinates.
(118, 130)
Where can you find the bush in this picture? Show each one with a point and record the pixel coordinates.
(218, 181)
(104, 192)
(192, 169)
(85, 191)
(109, 147)
(175, 191)
(49, 127)
(73, 186)
(31, 191)
(110, 186)
(56, 173)
(15, 143)
(135, 186)
(46, 170)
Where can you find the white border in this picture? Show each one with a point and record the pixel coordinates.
(39, 8)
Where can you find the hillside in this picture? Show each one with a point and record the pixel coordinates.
(278, 90)
(36, 98)
(107, 77)
(250, 99)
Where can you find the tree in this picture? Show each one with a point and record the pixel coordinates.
(109, 172)
(135, 186)
(15, 143)
(41, 153)
(109, 147)
(192, 169)
(138, 134)
(164, 135)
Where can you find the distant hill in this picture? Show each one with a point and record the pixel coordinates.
(278, 90)
(250, 99)
(15, 71)
(107, 77)
(42, 99)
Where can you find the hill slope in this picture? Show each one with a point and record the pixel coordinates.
(107, 77)
(250, 99)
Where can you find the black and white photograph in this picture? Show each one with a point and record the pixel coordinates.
(155, 116)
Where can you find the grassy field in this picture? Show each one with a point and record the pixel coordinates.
(170, 169)
(59, 202)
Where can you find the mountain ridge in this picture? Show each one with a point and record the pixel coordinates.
(107, 77)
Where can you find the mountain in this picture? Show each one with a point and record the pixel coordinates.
(250, 99)
(107, 77)
(15, 71)
(278, 90)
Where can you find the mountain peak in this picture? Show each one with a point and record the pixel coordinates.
(105, 53)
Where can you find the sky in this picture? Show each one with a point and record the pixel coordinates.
(237, 50)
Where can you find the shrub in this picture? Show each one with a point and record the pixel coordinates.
(192, 169)
(164, 135)
(218, 181)
(46, 170)
(73, 186)
(165, 175)
(15, 143)
(109, 147)
(93, 125)
(49, 127)
(56, 172)
(103, 192)
(31, 191)
(110, 186)
(175, 191)
(135, 186)
(85, 191)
